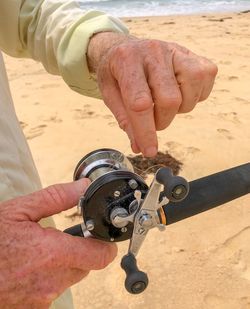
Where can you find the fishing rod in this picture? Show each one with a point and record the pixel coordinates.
(118, 205)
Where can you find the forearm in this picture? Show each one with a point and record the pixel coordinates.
(56, 33)
(32, 28)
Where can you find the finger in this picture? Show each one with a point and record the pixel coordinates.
(49, 201)
(190, 75)
(195, 76)
(164, 88)
(76, 252)
(113, 100)
(211, 72)
(191, 93)
(133, 142)
(139, 105)
(93, 254)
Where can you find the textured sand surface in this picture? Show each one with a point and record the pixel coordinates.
(203, 262)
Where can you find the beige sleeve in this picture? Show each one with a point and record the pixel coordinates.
(56, 33)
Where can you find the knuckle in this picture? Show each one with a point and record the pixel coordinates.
(141, 103)
(199, 73)
(122, 121)
(54, 194)
(123, 124)
(173, 45)
(212, 70)
(120, 56)
(169, 102)
(122, 52)
(204, 70)
(154, 44)
(173, 102)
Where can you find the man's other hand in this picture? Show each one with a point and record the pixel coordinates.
(37, 264)
(145, 83)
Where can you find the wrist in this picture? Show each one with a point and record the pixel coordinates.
(99, 46)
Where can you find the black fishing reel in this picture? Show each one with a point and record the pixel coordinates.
(118, 205)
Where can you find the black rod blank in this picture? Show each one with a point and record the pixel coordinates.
(209, 192)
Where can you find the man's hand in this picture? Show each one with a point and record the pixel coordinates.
(36, 264)
(145, 83)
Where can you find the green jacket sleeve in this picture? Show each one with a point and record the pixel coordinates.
(56, 33)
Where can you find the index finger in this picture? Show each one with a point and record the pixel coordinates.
(139, 104)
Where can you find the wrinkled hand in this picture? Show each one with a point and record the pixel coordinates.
(145, 83)
(36, 264)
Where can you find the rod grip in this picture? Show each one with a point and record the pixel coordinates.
(209, 192)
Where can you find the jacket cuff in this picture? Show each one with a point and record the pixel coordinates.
(72, 51)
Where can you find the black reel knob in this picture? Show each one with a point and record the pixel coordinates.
(176, 188)
(136, 281)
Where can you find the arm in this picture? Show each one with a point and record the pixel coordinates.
(56, 33)
(145, 83)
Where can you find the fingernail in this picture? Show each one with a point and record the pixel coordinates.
(150, 151)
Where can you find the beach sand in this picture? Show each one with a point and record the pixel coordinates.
(202, 262)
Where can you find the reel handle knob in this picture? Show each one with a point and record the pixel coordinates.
(136, 281)
(176, 188)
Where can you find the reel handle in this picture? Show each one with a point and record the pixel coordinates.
(136, 281)
(176, 188)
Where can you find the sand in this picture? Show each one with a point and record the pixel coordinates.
(202, 262)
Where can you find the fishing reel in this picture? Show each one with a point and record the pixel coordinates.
(118, 205)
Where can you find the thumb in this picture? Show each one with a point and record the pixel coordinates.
(49, 201)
